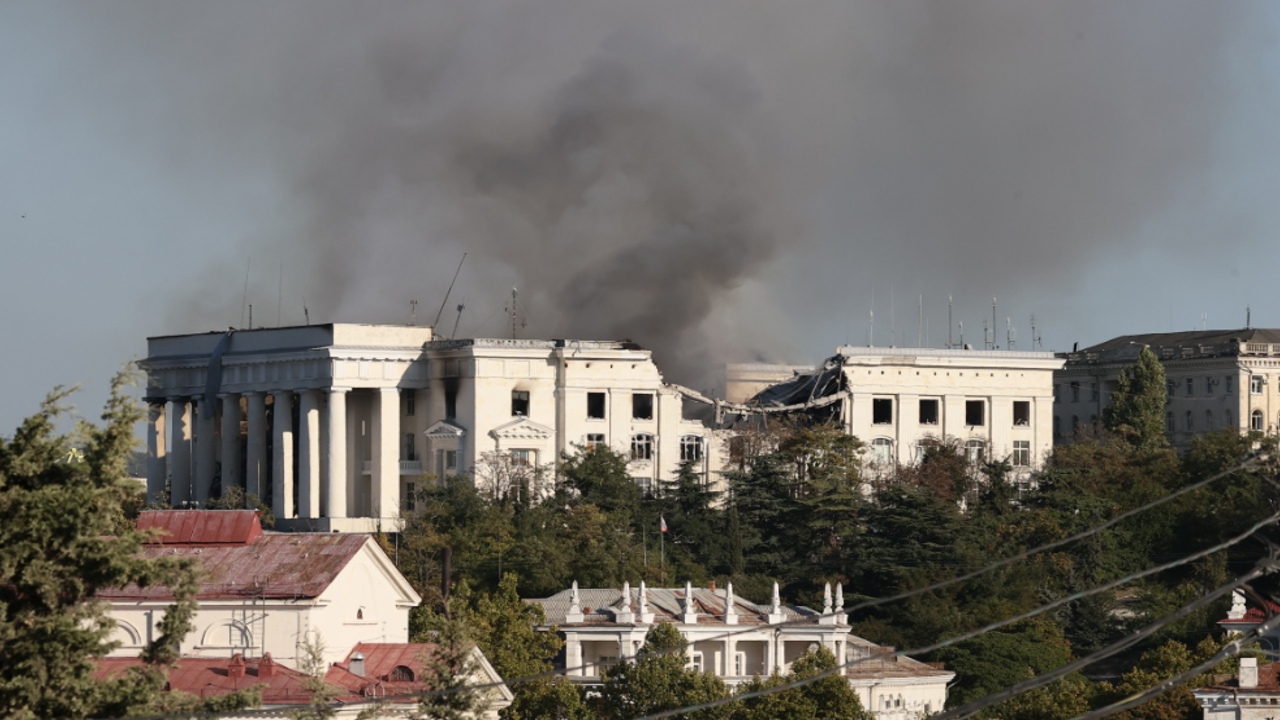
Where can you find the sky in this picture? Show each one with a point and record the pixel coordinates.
(719, 181)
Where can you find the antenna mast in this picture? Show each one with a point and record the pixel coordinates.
(413, 312)
(950, 345)
(446, 295)
(993, 324)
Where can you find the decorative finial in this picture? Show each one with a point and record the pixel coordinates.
(826, 600)
(839, 597)
(776, 601)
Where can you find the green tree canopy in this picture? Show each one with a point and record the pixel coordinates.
(1136, 409)
(830, 697)
(658, 682)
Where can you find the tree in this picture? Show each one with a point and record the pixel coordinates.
(826, 698)
(62, 541)
(1136, 410)
(449, 671)
(504, 626)
(659, 681)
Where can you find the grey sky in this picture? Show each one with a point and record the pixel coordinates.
(714, 180)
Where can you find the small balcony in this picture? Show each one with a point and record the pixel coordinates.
(407, 467)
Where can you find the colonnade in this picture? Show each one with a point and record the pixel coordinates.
(186, 443)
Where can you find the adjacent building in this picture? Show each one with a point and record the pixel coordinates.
(335, 424)
(736, 640)
(1216, 380)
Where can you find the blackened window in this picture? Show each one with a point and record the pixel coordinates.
(1021, 412)
(928, 412)
(882, 411)
(520, 403)
(975, 413)
(641, 406)
(642, 447)
(595, 406)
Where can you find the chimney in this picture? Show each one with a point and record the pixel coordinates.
(235, 668)
(711, 585)
(1248, 672)
(266, 667)
(357, 664)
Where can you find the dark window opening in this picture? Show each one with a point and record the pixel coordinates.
(595, 440)
(642, 447)
(410, 402)
(882, 411)
(595, 406)
(641, 406)
(520, 403)
(400, 673)
(928, 412)
(975, 413)
(1021, 412)
(450, 398)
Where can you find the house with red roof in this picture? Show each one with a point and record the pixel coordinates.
(1241, 619)
(371, 673)
(262, 592)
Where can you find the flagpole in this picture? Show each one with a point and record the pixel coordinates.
(662, 545)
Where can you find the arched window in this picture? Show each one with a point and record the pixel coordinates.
(1255, 420)
(923, 447)
(975, 451)
(642, 447)
(400, 673)
(882, 451)
(691, 448)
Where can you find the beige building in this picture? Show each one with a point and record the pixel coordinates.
(736, 640)
(372, 408)
(899, 401)
(1216, 380)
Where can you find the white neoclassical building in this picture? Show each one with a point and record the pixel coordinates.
(995, 403)
(736, 640)
(1216, 380)
(335, 423)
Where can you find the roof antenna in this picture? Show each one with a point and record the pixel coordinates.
(1010, 334)
(446, 295)
(993, 324)
(306, 314)
(949, 323)
(1035, 339)
(1248, 317)
(458, 320)
(413, 313)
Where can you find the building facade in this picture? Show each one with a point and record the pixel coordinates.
(997, 404)
(335, 424)
(1215, 380)
(736, 640)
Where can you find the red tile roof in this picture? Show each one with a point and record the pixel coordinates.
(209, 677)
(201, 527)
(300, 565)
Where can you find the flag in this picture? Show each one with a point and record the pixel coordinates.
(662, 524)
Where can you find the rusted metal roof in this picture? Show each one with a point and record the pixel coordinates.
(201, 527)
(209, 677)
(297, 565)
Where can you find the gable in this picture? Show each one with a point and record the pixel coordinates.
(371, 563)
(444, 430)
(522, 429)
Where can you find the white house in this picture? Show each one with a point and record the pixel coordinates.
(736, 639)
(1253, 694)
(372, 408)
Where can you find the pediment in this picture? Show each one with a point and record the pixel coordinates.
(444, 430)
(522, 429)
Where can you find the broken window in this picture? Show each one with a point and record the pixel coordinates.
(1255, 384)
(520, 403)
(450, 398)
(1022, 412)
(975, 413)
(882, 451)
(928, 412)
(691, 448)
(646, 489)
(642, 406)
(595, 406)
(975, 451)
(882, 411)
(642, 447)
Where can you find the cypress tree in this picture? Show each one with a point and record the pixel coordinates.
(1136, 409)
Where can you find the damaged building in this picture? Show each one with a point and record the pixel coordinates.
(997, 404)
(335, 425)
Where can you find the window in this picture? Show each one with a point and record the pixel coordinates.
(1169, 387)
(524, 457)
(1021, 453)
(1057, 426)
(520, 403)
(450, 399)
(595, 406)
(1075, 392)
(400, 673)
(740, 664)
(446, 463)
(975, 451)
(408, 494)
(1255, 420)
(882, 451)
(695, 661)
(641, 406)
(1022, 412)
(1191, 422)
(1255, 384)
(1208, 386)
(1191, 387)
(923, 447)
(595, 440)
(642, 447)
(1093, 391)
(975, 413)
(410, 402)
(410, 451)
(882, 411)
(645, 484)
(928, 412)
(1226, 385)
(691, 448)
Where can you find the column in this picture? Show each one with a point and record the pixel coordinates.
(308, 455)
(180, 469)
(730, 653)
(157, 470)
(255, 465)
(231, 476)
(206, 447)
(573, 656)
(386, 453)
(282, 468)
(336, 462)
